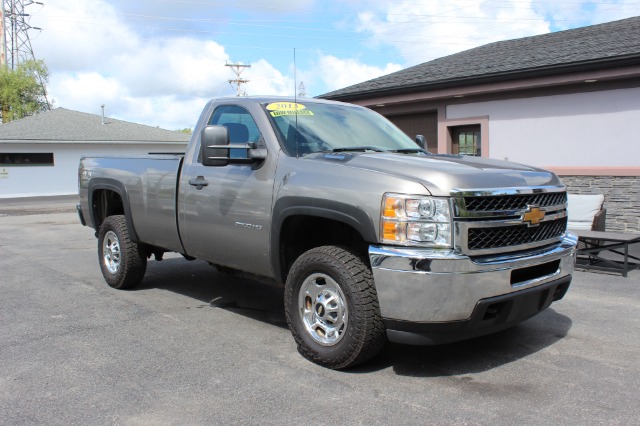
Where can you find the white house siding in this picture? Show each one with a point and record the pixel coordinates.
(62, 177)
(586, 130)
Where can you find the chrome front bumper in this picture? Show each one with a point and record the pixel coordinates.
(436, 286)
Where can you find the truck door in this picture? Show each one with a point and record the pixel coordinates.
(227, 222)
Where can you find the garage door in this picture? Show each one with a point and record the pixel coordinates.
(424, 123)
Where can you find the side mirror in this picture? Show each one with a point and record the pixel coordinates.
(214, 146)
(421, 141)
(257, 154)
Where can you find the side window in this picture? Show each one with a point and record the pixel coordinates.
(242, 127)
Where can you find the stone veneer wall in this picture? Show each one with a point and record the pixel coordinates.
(621, 198)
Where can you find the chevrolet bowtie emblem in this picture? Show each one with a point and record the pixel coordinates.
(533, 216)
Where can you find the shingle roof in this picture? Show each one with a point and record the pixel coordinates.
(592, 47)
(60, 124)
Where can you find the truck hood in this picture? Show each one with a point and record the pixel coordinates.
(440, 174)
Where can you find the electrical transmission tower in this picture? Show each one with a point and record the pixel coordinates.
(302, 92)
(237, 82)
(14, 36)
(16, 46)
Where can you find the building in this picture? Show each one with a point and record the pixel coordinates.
(39, 155)
(565, 101)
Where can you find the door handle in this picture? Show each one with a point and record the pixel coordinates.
(199, 182)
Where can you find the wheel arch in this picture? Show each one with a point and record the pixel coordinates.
(108, 197)
(302, 223)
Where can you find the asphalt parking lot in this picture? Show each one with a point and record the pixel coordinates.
(193, 346)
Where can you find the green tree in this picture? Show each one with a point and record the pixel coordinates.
(22, 90)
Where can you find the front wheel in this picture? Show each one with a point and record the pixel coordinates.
(123, 262)
(332, 308)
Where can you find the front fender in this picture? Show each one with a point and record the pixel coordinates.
(328, 209)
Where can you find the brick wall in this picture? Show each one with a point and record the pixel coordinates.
(621, 198)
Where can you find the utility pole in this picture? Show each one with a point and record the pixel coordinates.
(3, 44)
(237, 82)
(14, 36)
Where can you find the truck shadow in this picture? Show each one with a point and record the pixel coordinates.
(253, 298)
(263, 301)
(476, 355)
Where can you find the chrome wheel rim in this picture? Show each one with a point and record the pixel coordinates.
(323, 309)
(111, 255)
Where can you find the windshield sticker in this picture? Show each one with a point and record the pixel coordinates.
(277, 109)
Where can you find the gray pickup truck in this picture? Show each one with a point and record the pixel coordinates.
(374, 238)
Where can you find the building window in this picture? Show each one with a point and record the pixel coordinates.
(26, 159)
(465, 140)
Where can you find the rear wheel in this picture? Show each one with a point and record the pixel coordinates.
(332, 308)
(123, 262)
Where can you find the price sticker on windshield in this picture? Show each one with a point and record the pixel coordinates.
(277, 109)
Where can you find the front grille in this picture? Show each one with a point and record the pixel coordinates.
(514, 202)
(509, 236)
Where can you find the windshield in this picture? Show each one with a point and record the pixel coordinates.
(310, 127)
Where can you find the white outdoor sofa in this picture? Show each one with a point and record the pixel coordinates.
(586, 212)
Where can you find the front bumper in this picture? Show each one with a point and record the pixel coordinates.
(431, 288)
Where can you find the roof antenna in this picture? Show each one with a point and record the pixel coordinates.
(295, 101)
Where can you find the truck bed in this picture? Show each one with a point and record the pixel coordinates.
(151, 187)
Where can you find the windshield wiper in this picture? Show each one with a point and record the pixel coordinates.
(409, 150)
(358, 148)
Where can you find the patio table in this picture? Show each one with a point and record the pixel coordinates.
(597, 243)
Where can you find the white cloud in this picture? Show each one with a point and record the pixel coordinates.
(265, 79)
(337, 73)
(80, 34)
(180, 65)
(568, 15)
(429, 30)
(86, 91)
(94, 58)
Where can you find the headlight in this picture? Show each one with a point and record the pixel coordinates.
(416, 220)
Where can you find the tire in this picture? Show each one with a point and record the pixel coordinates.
(123, 262)
(332, 308)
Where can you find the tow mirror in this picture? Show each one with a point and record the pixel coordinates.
(257, 154)
(214, 146)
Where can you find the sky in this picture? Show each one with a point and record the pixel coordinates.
(157, 62)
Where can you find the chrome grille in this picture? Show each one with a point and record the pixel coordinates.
(492, 221)
(509, 236)
(514, 202)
